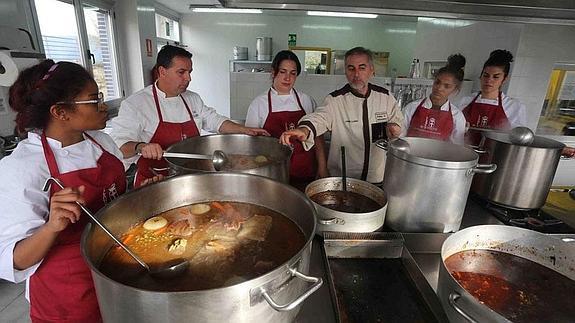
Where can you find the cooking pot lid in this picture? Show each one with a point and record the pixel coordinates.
(434, 153)
(538, 141)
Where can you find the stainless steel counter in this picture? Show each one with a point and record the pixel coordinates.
(424, 247)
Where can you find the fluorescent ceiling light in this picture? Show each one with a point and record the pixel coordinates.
(341, 14)
(326, 27)
(241, 24)
(226, 10)
(446, 22)
(400, 31)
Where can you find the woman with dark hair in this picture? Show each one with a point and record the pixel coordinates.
(280, 108)
(490, 108)
(61, 108)
(435, 117)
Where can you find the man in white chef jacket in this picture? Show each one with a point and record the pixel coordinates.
(358, 115)
(164, 113)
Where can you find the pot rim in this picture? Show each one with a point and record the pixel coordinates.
(539, 142)
(350, 182)
(262, 279)
(460, 150)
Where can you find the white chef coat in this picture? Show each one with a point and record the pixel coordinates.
(24, 207)
(137, 118)
(514, 110)
(258, 110)
(458, 132)
(352, 118)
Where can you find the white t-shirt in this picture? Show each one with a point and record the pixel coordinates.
(138, 118)
(258, 110)
(514, 110)
(458, 132)
(24, 207)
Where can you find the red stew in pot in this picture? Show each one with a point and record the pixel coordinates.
(516, 288)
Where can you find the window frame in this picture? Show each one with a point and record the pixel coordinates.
(173, 15)
(84, 41)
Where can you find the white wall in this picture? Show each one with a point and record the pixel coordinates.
(540, 46)
(129, 45)
(439, 38)
(211, 37)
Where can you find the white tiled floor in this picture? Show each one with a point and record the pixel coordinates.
(14, 307)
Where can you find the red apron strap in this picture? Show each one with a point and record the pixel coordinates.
(270, 101)
(155, 93)
(50, 158)
(298, 100)
(187, 108)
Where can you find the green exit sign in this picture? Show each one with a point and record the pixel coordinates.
(292, 40)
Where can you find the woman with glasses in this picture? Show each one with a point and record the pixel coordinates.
(491, 108)
(61, 108)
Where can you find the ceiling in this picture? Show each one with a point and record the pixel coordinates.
(544, 11)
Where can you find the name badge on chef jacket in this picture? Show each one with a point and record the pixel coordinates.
(378, 131)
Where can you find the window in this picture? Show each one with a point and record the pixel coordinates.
(65, 40)
(558, 113)
(167, 31)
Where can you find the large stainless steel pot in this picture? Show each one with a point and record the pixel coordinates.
(524, 173)
(427, 183)
(546, 250)
(273, 297)
(332, 220)
(235, 144)
(2, 151)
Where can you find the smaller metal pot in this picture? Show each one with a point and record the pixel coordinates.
(332, 220)
(524, 172)
(234, 144)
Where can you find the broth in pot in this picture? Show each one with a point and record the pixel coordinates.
(225, 242)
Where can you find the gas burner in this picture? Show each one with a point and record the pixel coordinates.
(535, 219)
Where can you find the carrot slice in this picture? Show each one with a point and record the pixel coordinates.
(161, 230)
(218, 206)
(128, 238)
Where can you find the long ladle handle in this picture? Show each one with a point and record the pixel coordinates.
(54, 180)
(185, 155)
(343, 169)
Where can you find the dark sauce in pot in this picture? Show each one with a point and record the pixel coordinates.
(349, 202)
(516, 288)
(226, 243)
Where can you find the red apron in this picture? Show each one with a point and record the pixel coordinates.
(430, 123)
(482, 115)
(303, 163)
(167, 134)
(62, 289)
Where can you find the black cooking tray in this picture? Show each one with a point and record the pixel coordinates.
(374, 278)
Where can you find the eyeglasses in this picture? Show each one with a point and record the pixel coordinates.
(99, 101)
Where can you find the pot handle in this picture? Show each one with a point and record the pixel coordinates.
(156, 171)
(317, 282)
(383, 144)
(331, 221)
(484, 168)
(453, 297)
(478, 149)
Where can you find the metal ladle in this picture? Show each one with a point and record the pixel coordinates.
(170, 269)
(219, 158)
(521, 136)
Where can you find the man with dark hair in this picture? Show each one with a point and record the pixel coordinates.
(164, 113)
(358, 115)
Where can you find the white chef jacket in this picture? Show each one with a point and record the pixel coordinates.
(137, 118)
(24, 207)
(355, 122)
(458, 132)
(258, 109)
(514, 110)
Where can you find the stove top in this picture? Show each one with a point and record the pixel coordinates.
(536, 219)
